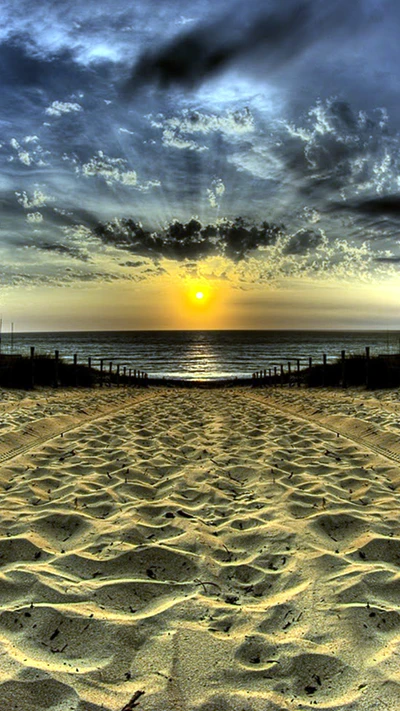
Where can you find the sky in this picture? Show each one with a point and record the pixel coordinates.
(156, 149)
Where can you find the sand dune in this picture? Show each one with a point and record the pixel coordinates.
(223, 550)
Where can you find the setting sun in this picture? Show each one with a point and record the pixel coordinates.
(198, 294)
(198, 304)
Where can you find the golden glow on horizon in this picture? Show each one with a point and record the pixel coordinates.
(171, 303)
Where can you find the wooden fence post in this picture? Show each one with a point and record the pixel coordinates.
(270, 376)
(289, 368)
(89, 362)
(367, 366)
(101, 371)
(275, 381)
(324, 369)
(298, 372)
(76, 369)
(32, 367)
(56, 354)
(343, 358)
(130, 376)
(281, 375)
(118, 375)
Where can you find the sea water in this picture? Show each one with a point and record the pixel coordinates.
(202, 354)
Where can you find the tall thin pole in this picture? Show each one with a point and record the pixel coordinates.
(367, 356)
(343, 359)
(32, 367)
(56, 357)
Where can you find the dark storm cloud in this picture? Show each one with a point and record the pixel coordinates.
(381, 206)
(46, 243)
(388, 260)
(182, 241)
(271, 33)
(303, 241)
(62, 249)
(131, 265)
(339, 148)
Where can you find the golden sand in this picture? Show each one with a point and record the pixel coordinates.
(229, 550)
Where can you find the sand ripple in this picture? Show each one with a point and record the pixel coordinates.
(218, 551)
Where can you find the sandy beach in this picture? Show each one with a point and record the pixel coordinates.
(222, 550)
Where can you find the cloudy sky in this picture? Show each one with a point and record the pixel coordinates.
(250, 150)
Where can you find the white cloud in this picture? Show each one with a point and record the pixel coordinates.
(128, 178)
(34, 217)
(215, 192)
(311, 215)
(39, 199)
(145, 187)
(25, 157)
(178, 129)
(58, 108)
(79, 234)
(172, 139)
(232, 123)
(111, 169)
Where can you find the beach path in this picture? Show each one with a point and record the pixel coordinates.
(219, 550)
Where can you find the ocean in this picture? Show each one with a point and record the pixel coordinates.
(202, 354)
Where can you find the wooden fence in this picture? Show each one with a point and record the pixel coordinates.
(284, 374)
(108, 371)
